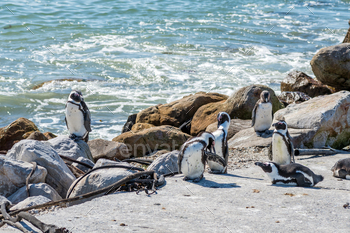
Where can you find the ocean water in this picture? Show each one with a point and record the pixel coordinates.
(135, 54)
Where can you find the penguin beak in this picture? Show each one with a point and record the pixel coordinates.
(274, 124)
(259, 164)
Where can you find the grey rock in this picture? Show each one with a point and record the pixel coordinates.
(82, 167)
(248, 138)
(58, 174)
(293, 97)
(129, 123)
(331, 66)
(40, 189)
(13, 175)
(30, 201)
(236, 125)
(321, 121)
(97, 179)
(101, 148)
(165, 163)
(70, 148)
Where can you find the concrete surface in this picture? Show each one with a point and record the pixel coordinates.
(242, 201)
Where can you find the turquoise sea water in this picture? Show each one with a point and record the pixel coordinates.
(134, 54)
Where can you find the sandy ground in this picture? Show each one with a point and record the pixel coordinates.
(242, 201)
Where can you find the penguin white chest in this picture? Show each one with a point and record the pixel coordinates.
(191, 165)
(75, 120)
(263, 117)
(280, 152)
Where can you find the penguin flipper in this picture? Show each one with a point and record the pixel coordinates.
(269, 153)
(65, 119)
(254, 113)
(301, 181)
(291, 147)
(215, 158)
(87, 116)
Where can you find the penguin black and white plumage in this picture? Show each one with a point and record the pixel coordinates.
(282, 149)
(262, 114)
(290, 174)
(221, 147)
(192, 157)
(78, 118)
(341, 169)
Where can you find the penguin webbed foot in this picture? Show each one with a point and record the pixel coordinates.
(198, 179)
(215, 172)
(75, 137)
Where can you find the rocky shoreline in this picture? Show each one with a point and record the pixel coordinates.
(37, 167)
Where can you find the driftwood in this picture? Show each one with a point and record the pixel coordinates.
(140, 161)
(84, 196)
(317, 151)
(76, 161)
(14, 221)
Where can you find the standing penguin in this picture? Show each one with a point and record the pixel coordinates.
(262, 114)
(192, 156)
(78, 118)
(290, 174)
(341, 169)
(282, 149)
(221, 147)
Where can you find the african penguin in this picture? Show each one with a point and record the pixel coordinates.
(78, 118)
(191, 160)
(282, 145)
(341, 169)
(221, 147)
(290, 174)
(262, 114)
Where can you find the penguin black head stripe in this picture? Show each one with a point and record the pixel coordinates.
(222, 118)
(265, 96)
(280, 125)
(76, 96)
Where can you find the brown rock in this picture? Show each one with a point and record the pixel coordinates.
(141, 126)
(299, 81)
(347, 37)
(156, 138)
(293, 97)
(49, 135)
(331, 66)
(15, 132)
(236, 125)
(239, 105)
(108, 149)
(37, 136)
(179, 111)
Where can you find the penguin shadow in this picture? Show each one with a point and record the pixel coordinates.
(237, 176)
(266, 134)
(291, 186)
(212, 184)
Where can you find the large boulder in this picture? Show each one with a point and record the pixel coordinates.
(236, 125)
(179, 111)
(101, 148)
(331, 66)
(30, 201)
(239, 105)
(65, 146)
(247, 138)
(82, 167)
(293, 97)
(166, 163)
(98, 179)
(321, 121)
(141, 126)
(40, 189)
(299, 81)
(37, 135)
(16, 131)
(156, 138)
(13, 175)
(58, 174)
